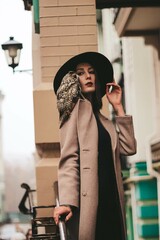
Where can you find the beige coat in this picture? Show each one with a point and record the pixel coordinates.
(77, 175)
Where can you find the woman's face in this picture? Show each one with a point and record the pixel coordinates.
(87, 77)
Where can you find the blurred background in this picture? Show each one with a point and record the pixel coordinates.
(17, 146)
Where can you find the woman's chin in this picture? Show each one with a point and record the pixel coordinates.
(89, 90)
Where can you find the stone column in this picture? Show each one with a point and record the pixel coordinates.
(66, 29)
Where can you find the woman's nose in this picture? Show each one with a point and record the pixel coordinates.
(88, 75)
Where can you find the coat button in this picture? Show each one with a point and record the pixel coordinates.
(84, 194)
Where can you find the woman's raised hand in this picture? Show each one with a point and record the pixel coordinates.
(114, 96)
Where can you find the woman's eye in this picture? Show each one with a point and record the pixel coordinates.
(92, 72)
(80, 73)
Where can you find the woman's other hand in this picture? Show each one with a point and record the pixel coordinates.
(62, 211)
(114, 96)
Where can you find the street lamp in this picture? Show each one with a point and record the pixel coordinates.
(12, 50)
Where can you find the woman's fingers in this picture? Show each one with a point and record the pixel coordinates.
(112, 84)
(62, 210)
(110, 87)
(68, 216)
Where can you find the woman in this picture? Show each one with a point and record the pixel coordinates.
(89, 174)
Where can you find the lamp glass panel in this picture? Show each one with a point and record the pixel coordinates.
(8, 58)
(17, 58)
(12, 51)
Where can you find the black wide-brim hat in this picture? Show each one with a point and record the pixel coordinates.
(100, 63)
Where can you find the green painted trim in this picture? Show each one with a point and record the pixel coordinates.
(36, 15)
(148, 230)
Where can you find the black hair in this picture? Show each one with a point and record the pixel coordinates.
(96, 98)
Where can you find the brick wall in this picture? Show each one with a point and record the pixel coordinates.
(67, 27)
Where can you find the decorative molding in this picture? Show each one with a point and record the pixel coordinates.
(48, 150)
(155, 151)
(122, 19)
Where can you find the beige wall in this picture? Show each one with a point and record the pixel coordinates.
(66, 29)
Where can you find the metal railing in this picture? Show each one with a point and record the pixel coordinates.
(41, 222)
(62, 226)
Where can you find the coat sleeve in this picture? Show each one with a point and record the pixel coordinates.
(68, 171)
(127, 141)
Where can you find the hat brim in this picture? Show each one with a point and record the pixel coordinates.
(101, 64)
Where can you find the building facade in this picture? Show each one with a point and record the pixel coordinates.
(138, 28)
(129, 36)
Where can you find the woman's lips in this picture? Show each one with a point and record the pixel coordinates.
(89, 84)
